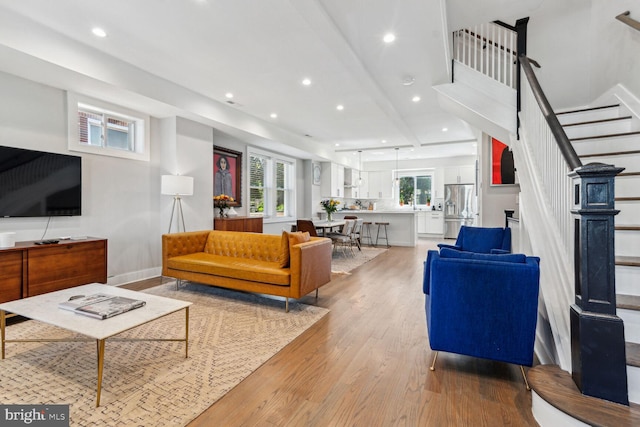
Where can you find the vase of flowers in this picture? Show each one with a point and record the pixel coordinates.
(221, 202)
(330, 206)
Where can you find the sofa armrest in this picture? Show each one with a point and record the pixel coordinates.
(186, 243)
(310, 265)
(444, 245)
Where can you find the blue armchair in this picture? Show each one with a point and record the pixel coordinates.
(482, 240)
(482, 305)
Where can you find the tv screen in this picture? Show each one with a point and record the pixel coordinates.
(35, 183)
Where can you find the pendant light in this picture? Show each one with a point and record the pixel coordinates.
(397, 170)
(360, 168)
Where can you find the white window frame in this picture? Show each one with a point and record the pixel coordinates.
(270, 214)
(141, 146)
(414, 174)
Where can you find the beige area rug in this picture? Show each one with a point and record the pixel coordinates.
(342, 262)
(151, 383)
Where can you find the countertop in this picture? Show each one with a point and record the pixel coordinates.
(382, 211)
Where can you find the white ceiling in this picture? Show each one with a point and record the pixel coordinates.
(183, 56)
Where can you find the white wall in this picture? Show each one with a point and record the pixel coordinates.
(615, 46)
(120, 198)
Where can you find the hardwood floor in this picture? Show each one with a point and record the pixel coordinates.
(367, 364)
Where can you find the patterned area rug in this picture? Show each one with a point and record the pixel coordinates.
(151, 383)
(342, 262)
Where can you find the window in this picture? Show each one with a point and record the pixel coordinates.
(415, 188)
(271, 180)
(101, 128)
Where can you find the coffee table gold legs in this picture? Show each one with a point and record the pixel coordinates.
(100, 369)
(3, 319)
(186, 333)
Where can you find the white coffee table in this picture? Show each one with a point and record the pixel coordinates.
(44, 308)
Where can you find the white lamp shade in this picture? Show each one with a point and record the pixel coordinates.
(177, 185)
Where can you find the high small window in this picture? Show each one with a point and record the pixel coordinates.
(101, 128)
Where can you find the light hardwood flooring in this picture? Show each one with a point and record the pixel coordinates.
(367, 364)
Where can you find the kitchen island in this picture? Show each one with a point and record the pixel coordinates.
(401, 228)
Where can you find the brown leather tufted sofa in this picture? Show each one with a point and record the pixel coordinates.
(251, 262)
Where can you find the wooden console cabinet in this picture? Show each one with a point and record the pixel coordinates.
(29, 269)
(238, 223)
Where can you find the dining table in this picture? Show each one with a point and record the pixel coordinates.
(324, 226)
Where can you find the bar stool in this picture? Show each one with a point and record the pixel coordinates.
(382, 224)
(365, 233)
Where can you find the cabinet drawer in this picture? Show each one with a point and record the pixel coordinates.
(10, 276)
(66, 265)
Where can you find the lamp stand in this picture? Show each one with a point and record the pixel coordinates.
(177, 205)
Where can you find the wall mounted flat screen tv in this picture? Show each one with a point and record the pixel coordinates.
(36, 184)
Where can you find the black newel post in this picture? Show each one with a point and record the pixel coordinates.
(598, 361)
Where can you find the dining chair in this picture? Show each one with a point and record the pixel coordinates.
(343, 238)
(306, 225)
(356, 233)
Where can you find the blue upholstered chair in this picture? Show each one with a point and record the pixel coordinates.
(482, 239)
(482, 305)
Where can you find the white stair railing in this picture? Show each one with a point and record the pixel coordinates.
(490, 49)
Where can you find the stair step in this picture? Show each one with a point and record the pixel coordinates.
(616, 144)
(582, 110)
(627, 227)
(557, 388)
(593, 122)
(614, 153)
(628, 302)
(629, 261)
(632, 350)
(609, 135)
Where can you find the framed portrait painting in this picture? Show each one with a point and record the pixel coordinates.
(503, 171)
(227, 174)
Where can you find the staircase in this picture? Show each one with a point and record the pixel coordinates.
(609, 134)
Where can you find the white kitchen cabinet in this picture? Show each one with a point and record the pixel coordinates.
(380, 185)
(435, 222)
(332, 184)
(430, 222)
(460, 175)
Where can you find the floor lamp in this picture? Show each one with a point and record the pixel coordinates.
(177, 186)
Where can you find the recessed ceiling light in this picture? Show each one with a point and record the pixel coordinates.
(228, 95)
(273, 115)
(416, 98)
(337, 144)
(340, 107)
(384, 141)
(445, 129)
(99, 32)
(408, 80)
(389, 38)
(306, 81)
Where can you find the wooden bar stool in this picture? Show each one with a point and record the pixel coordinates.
(382, 224)
(365, 233)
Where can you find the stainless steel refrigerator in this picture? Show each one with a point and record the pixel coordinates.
(459, 208)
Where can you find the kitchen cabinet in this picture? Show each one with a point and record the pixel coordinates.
(460, 175)
(380, 185)
(332, 184)
(430, 222)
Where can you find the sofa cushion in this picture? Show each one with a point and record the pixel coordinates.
(256, 246)
(481, 239)
(232, 267)
(453, 253)
(289, 239)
